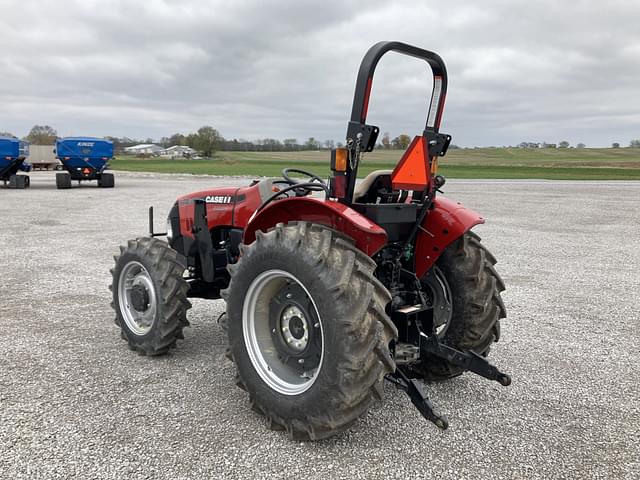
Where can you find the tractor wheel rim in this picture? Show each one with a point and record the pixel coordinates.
(138, 314)
(437, 288)
(294, 328)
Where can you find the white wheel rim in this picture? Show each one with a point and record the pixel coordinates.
(258, 334)
(135, 275)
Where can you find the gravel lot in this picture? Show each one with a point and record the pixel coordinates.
(76, 402)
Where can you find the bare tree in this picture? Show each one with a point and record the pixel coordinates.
(291, 144)
(176, 139)
(386, 142)
(311, 144)
(42, 135)
(401, 142)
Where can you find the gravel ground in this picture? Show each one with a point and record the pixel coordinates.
(76, 402)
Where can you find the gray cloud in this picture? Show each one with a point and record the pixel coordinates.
(518, 70)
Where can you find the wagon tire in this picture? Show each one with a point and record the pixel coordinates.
(63, 180)
(106, 180)
(19, 181)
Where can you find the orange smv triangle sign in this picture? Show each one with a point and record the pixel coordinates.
(411, 173)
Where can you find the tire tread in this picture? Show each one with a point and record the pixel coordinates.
(363, 349)
(167, 273)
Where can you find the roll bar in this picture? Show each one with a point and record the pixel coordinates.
(368, 67)
(362, 137)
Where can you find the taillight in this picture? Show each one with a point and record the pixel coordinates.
(339, 185)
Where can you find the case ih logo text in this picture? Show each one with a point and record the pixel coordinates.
(217, 199)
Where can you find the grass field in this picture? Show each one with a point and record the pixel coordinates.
(565, 164)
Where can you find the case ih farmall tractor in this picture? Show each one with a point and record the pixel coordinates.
(327, 297)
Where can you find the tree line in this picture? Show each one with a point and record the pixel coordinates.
(207, 140)
(564, 144)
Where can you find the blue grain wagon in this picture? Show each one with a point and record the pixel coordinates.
(13, 153)
(84, 158)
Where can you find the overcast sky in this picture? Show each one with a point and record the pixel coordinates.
(518, 70)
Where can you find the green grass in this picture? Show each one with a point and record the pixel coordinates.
(565, 164)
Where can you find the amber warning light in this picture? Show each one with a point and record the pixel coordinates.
(339, 158)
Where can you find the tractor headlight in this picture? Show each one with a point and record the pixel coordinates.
(169, 229)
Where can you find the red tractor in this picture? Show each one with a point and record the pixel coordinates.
(327, 295)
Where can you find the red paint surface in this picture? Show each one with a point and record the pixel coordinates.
(234, 214)
(368, 236)
(445, 223)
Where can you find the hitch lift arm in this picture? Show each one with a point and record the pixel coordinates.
(418, 397)
(468, 360)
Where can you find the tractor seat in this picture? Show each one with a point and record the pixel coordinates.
(363, 193)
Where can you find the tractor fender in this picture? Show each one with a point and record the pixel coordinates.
(368, 236)
(446, 222)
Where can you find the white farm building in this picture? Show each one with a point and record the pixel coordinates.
(144, 149)
(178, 151)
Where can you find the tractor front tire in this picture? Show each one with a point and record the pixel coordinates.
(63, 180)
(150, 295)
(472, 289)
(307, 329)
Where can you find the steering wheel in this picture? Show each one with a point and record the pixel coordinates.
(302, 191)
(312, 176)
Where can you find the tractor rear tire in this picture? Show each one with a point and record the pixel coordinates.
(106, 180)
(150, 295)
(467, 270)
(63, 180)
(307, 329)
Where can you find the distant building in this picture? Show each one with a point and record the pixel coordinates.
(178, 151)
(144, 149)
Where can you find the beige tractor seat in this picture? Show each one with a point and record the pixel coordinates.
(363, 187)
